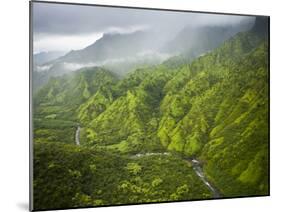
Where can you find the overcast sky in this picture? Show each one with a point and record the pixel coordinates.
(61, 27)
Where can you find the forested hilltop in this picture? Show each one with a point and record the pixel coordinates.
(100, 139)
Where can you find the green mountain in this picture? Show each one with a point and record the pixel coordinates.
(55, 105)
(220, 115)
(139, 133)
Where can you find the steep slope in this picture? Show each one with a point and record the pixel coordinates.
(240, 135)
(55, 105)
(217, 110)
(223, 119)
(129, 123)
(224, 72)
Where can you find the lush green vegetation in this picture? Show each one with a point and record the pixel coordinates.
(55, 105)
(214, 108)
(71, 176)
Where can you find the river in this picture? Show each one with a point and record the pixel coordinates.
(77, 136)
(196, 165)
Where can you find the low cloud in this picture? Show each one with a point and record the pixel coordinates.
(71, 27)
(146, 56)
(43, 68)
(64, 42)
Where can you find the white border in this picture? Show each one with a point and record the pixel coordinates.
(14, 87)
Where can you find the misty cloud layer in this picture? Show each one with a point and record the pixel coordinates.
(63, 27)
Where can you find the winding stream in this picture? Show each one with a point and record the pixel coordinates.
(77, 136)
(196, 165)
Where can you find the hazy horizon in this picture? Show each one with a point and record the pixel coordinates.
(60, 27)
